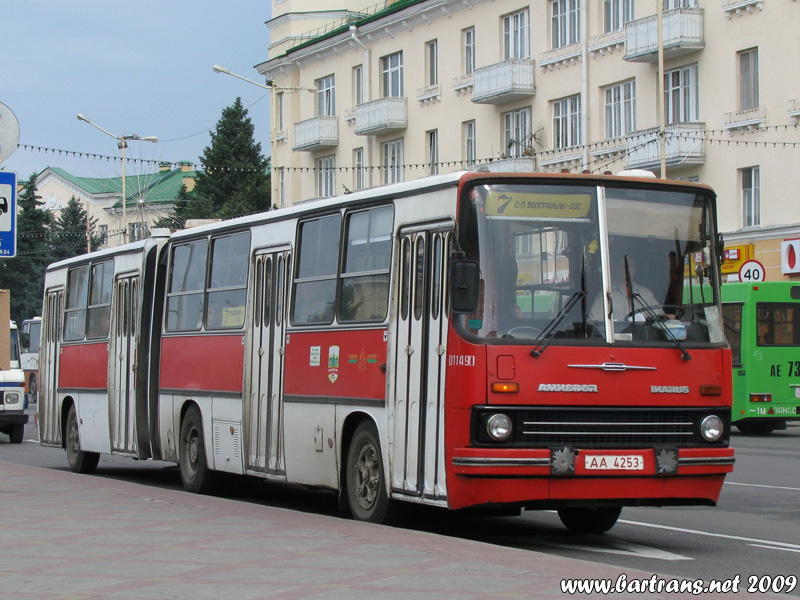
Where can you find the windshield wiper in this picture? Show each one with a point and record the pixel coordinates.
(544, 339)
(648, 310)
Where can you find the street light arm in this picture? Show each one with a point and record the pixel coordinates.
(96, 126)
(219, 69)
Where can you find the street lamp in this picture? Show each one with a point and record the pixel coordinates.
(122, 143)
(270, 85)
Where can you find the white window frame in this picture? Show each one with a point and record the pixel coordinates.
(681, 97)
(517, 35)
(282, 186)
(616, 13)
(358, 168)
(566, 22)
(619, 103)
(468, 40)
(279, 111)
(567, 122)
(326, 176)
(517, 131)
(358, 85)
(392, 75)
(326, 96)
(676, 4)
(432, 62)
(393, 161)
(470, 143)
(751, 196)
(748, 79)
(432, 151)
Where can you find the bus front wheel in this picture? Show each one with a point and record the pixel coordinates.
(195, 474)
(79, 460)
(589, 519)
(365, 478)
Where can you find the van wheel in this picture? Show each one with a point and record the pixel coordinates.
(79, 461)
(17, 434)
(195, 474)
(589, 519)
(364, 478)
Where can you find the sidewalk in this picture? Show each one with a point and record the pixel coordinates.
(75, 537)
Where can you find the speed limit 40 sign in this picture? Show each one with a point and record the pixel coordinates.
(751, 270)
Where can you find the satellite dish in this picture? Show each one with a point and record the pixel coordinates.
(9, 132)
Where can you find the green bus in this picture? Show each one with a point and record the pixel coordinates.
(762, 324)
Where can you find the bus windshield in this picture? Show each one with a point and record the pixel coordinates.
(599, 264)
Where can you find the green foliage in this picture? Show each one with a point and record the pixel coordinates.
(235, 180)
(23, 275)
(68, 236)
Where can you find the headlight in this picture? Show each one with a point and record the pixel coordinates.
(498, 427)
(11, 398)
(712, 428)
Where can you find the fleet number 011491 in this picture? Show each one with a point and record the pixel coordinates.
(613, 462)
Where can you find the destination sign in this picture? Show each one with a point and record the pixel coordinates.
(538, 206)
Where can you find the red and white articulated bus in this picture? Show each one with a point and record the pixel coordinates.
(472, 340)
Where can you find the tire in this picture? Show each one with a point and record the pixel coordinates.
(196, 477)
(365, 479)
(589, 519)
(17, 434)
(757, 428)
(79, 461)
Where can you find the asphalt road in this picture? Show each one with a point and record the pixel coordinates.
(753, 533)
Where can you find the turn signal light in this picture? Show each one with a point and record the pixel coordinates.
(505, 387)
(710, 390)
(760, 397)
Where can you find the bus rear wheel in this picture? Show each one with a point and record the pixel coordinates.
(196, 477)
(79, 460)
(364, 478)
(589, 519)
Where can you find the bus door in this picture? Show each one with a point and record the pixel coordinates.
(122, 387)
(419, 354)
(49, 409)
(264, 403)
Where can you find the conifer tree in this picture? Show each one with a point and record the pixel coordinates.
(68, 236)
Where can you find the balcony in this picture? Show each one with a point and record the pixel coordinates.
(739, 7)
(753, 118)
(794, 110)
(683, 33)
(684, 146)
(381, 116)
(316, 133)
(503, 82)
(520, 164)
(429, 94)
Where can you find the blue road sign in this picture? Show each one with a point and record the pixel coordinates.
(8, 214)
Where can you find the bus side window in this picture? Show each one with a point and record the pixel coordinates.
(187, 286)
(317, 267)
(77, 298)
(732, 321)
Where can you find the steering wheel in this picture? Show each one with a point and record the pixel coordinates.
(666, 309)
(524, 332)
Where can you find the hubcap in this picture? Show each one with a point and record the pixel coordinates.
(367, 476)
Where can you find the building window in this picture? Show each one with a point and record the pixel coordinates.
(326, 96)
(470, 144)
(468, 37)
(676, 4)
(566, 22)
(432, 62)
(567, 122)
(393, 161)
(282, 186)
(751, 196)
(326, 176)
(616, 13)
(392, 75)
(748, 79)
(358, 85)
(517, 132)
(681, 102)
(358, 168)
(620, 109)
(279, 126)
(137, 231)
(103, 230)
(433, 151)
(516, 35)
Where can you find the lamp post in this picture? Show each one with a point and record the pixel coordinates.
(122, 143)
(273, 133)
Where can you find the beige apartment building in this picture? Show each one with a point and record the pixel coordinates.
(366, 94)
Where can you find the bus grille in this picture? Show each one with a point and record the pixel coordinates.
(607, 428)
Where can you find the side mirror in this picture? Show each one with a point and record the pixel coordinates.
(465, 277)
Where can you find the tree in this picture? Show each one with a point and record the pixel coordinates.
(235, 180)
(68, 237)
(24, 274)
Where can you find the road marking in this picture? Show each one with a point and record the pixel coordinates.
(613, 546)
(751, 541)
(775, 548)
(771, 487)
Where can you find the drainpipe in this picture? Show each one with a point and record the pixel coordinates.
(585, 85)
(366, 90)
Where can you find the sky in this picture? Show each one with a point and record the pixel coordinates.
(139, 67)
